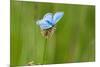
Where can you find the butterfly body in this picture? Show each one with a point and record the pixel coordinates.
(47, 24)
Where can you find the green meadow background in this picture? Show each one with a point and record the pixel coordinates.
(73, 40)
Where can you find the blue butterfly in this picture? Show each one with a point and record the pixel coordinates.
(49, 20)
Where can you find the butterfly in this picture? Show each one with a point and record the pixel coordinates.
(48, 22)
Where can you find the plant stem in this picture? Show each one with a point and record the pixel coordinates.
(44, 53)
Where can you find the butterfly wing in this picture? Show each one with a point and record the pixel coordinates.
(43, 24)
(57, 16)
(48, 17)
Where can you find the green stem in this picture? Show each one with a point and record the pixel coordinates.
(44, 53)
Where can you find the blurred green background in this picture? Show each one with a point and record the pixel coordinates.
(73, 40)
